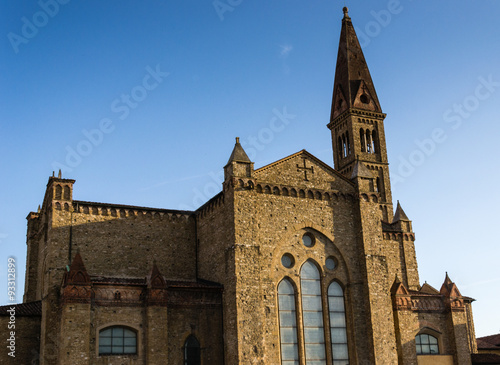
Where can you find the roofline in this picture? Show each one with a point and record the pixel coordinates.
(314, 158)
(123, 206)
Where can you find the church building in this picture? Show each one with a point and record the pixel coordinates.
(293, 263)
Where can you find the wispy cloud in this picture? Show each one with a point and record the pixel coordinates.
(285, 50)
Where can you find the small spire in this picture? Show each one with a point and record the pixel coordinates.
(238, 153)
(447, 279)
(38, 210)
(53, 174)
(400, 214)
(59, 175)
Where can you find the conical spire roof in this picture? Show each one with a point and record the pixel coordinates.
(400, 214)
(353, 86)
(238, 153)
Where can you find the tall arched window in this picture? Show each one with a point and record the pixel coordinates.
(312, 314)
(374, 138)
(348, 143)
(288, 323)
(426, 344)
(117, 340)
(362, 140)
(58, 192)
(67, 193)
(338, 326)
(368, 141)
(340, 147)
(192, 353)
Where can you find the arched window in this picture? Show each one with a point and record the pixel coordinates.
(348, 143)
(288, 323)
(362, 140)
(379, 186)
(192, 353)
(58, 192)
(338, 326)
(340, 147)
(117, 340)
(426, 344)
(67, 193)
(368, 141)
(344, 146)
(374, 138)
(312, 314)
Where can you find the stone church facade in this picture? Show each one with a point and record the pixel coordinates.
(292, 263)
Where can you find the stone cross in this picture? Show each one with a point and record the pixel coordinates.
(305, 169)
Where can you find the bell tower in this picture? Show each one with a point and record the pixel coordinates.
(357, 120)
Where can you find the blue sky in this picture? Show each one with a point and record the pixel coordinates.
(217, 73)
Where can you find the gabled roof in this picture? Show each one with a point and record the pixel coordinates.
(312, 158)
(428, 289)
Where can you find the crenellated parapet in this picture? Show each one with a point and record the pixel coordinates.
(128, 211)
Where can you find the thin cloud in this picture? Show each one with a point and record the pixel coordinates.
(285, 50)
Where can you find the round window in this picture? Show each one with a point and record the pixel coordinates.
(364, 99)
(330, 263)
(287, 260)
(308, 240)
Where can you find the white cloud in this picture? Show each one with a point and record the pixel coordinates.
(285, 50)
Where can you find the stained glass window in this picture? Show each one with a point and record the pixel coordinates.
(288, 323)
(338, 330)
(312, 308)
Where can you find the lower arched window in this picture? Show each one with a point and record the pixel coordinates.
(192, 353)
(117, 340)
(338, 326)
(426, 344)
(288, 323)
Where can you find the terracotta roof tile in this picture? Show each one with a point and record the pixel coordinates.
(489, 342)
(23, 309)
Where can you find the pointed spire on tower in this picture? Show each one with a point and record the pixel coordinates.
(238, 153)
(353, 86)
(400, 214)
